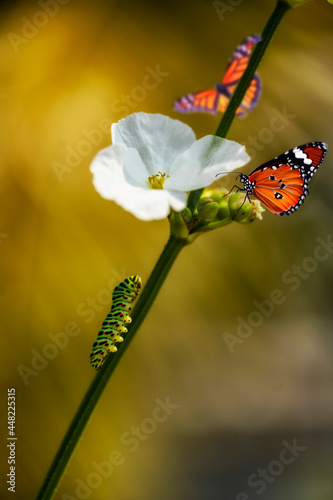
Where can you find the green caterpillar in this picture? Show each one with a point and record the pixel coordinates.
(123, 297)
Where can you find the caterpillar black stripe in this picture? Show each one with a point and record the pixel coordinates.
(123, 297)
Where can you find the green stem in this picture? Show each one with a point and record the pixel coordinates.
(258, 52)
(80, 420)
(193, 199)
(213, 225)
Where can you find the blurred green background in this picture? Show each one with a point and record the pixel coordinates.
(65, 76)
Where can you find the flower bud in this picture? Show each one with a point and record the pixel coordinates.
(224, 210)
(207, 208)
(239, 209)
(187, 215)
(178, 226)
(235, 202)
(257, 209)
(236, 207)
(244, 213)
(215, 194)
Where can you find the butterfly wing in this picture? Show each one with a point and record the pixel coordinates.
(222, 102)
(206, 101)
(236, 67)
(239, 61)
(214, 100)
(282, 183)
(251, 97)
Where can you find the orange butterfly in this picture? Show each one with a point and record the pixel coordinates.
(282, 184)
(214, 100)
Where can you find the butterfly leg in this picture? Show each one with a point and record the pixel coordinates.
(246, 197)
(234, 186)
(238, 189)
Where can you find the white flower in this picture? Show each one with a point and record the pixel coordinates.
(155, 161)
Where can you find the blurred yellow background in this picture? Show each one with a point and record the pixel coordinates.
(69, 69)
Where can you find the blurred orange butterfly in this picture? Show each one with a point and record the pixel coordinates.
(214, 100)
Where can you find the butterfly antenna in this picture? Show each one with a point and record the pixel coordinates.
(221, 173)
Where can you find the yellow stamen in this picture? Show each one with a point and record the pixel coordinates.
(156, 181)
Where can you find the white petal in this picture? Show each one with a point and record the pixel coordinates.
(150, 204)
(135, 171)
(197, 166)
(158, 139)
(107, 170)
(111, 183)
